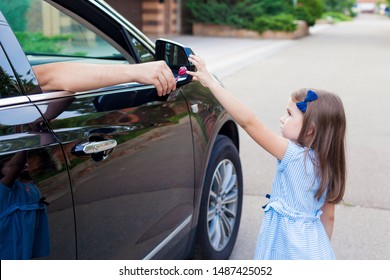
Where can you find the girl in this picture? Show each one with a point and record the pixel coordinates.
(24, 227)
(310, 177)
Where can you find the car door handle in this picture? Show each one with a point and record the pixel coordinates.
(97, 147)
(94, 147)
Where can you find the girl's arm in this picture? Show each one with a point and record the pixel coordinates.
(242, 114)
(13, 168)
(327, 218)
(75, 77)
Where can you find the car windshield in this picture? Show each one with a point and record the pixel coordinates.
(44, 30)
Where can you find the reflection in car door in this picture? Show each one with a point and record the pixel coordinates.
(131, 200)
(134, 200)
(30, 148)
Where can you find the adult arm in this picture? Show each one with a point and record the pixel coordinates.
(327, 218)
(75, 77)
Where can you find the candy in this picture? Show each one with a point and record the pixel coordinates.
(182, 71)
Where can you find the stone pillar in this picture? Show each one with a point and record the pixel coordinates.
(159, 17)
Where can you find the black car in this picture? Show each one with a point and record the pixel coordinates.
(121, 172)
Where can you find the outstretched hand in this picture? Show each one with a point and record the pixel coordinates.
(201, 75)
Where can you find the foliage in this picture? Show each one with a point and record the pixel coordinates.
(279, 22)
(233, 13)
(341, 6)
(242, 13)
(274, 7)
(256, 15)
(336, 16)
(309, 11)
(212, 11)
(39, 43)
(7, 86)
(338, 5)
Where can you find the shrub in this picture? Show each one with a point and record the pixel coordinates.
(336, 16)
(209, 11)
(244, 13)
(275, 7)
(341, 6)
(37, 42)
(309, 11)
(280, 22)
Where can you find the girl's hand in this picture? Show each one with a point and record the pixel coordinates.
(201, 75)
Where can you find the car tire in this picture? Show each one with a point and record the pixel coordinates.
(221, 203)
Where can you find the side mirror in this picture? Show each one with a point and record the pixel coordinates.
(176, 56)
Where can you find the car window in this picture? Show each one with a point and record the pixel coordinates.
(8, 84)
(143, 53)
(42, 29)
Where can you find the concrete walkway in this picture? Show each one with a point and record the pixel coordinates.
(225, 56)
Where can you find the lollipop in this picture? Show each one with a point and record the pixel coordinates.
(182, 72)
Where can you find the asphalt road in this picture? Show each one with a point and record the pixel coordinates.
(351, 59)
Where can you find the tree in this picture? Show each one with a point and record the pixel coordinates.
(341, 6)
(309, 10)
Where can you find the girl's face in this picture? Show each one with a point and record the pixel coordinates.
(291, 122)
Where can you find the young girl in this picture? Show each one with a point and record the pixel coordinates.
(310, 177)
(24, 226)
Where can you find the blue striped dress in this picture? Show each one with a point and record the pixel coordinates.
(291, 227)
(24, 226)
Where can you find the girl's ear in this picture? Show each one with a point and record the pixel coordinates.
(311, 130)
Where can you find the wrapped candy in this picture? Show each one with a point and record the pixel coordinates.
(182, 71)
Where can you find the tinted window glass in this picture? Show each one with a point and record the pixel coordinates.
(8, 84)
(143, 53)
(42, 29)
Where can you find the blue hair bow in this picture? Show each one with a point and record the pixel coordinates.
(310, 96)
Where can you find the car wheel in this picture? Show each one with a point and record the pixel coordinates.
(221, 202)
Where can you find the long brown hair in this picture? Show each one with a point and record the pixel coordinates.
(323, 130)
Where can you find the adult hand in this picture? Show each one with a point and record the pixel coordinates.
(158, 74)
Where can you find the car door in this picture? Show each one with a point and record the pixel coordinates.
(31, 155)
(129, 152)
(131, 197)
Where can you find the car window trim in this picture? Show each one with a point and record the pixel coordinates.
(8, 72)
(118, 41)
(14, 101)
(17, 59)
(125, 23)
(100, 91)
(91, 27)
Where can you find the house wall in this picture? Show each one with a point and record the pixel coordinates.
(367, 6)
(157, 17)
